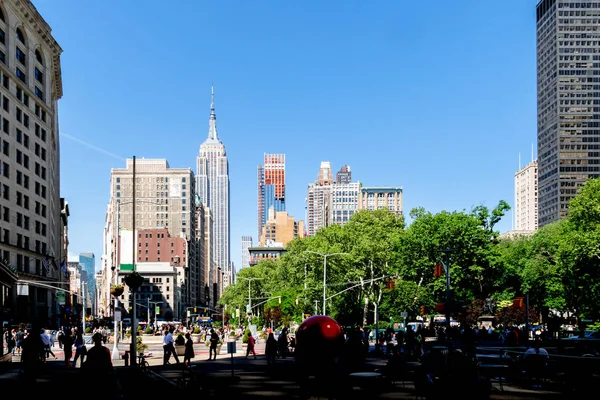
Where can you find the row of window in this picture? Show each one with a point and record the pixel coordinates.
(23, 262)
(159, 179)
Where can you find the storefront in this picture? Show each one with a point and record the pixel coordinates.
(8, 279)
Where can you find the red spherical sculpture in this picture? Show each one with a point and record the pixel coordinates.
(319, 342)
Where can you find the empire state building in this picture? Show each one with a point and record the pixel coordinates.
(212, 187)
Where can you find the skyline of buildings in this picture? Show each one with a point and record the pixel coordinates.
(195, 208)
(568, 98)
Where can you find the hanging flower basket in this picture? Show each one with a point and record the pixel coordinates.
(134, 280)
(117, 290)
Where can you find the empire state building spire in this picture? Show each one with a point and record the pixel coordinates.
(212, 123)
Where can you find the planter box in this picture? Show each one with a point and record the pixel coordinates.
(180, 350)
(196, 338)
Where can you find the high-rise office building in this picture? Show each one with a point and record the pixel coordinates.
(164, 199)
(344, 175)
(212, 186)
(87, 261)
(568, 79)
(246, 244)
(526, 198)
(344, 201)
(318, 201)
(271, 187)
(30, 203)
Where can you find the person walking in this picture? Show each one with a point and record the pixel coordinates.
(47, 340)
(271, 349)
(80, 349)
(32, 347)
(59, 336)
(68, 342)
(98, 367)
(19, 336)
(168, 347)
(189, 350)
(214, 341)
(282, 341)
(250, 348)
(98, 356)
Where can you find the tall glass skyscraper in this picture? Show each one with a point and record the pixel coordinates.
(568, 96)
(88, 264)
(212, 188)
(271, 187)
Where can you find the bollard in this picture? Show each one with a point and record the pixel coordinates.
(126, 358)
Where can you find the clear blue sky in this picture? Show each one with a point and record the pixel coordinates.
(439, 99)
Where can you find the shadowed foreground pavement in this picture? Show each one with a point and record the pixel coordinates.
(251, 379)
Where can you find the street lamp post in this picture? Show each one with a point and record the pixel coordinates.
(152, 302)
(446, 264)
(83, 308)
(115, 351)
(133, 345)
(249, 295)
(324, 272)
(133, 290)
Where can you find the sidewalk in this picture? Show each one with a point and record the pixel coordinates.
(242, 379)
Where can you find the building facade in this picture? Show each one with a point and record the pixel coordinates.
(344, 175)
(271, 187)
(318, 200)
(281, 228)
(526, 198)
(164, 200)
(344, 201)
(30, 203)
(212, 185)
(568, 109)
(160, 289)
(246, 244)
(87, 261)
(377, 198)
(271, 252)
(207, 268)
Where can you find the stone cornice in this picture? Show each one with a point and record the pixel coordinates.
(27, 12)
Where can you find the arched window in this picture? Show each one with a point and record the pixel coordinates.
(20, 35)
(38, 56)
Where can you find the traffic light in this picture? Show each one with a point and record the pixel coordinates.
(422, 310)
(279, 300)
(438, 270)
(195, 309)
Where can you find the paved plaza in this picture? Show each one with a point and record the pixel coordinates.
(232, 377)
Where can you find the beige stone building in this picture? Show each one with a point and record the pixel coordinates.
(377, 198)
(281, 228)
(30, 203)
(526, 198)
(164, 199)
